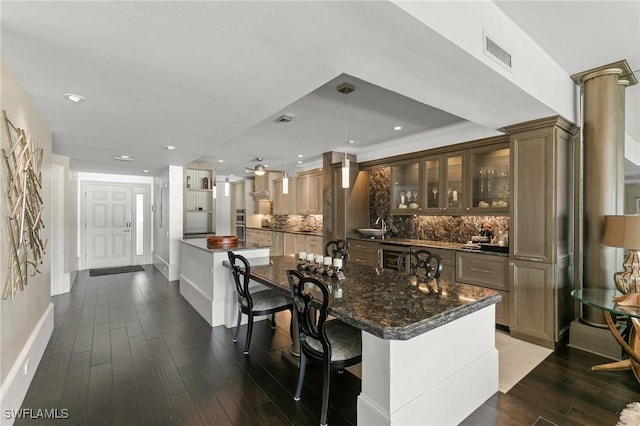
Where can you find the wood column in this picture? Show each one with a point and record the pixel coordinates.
(603, 171)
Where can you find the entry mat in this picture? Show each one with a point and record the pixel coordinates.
(115, 270)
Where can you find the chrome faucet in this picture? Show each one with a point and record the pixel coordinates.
(383, 225)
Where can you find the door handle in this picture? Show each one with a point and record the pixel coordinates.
(127, 230)
(128, 224)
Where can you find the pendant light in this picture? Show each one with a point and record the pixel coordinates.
(226, 186)
(285, 176)
(345, 88)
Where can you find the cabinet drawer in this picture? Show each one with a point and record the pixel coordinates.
(482, 269)
(363, 252)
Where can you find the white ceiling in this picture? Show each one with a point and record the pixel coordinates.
(213, 77)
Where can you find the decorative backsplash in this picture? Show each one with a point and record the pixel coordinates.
(293, 222)
(458, 229)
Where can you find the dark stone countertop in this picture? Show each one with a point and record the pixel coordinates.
(409, 242)
(385, 302)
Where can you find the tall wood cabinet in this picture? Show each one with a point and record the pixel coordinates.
(199, 204)
(541, 230)
(309, 192)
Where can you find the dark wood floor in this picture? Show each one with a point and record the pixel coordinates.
(127, 349)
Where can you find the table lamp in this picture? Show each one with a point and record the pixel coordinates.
(624, 231)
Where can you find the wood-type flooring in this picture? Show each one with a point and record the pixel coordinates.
(128, 350)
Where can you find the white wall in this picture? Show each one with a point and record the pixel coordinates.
(167, 222)
(26, 322)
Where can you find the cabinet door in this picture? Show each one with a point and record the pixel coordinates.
(277, 243)
(531, 228)
(290, 243)
(284, 203)
(238, 190)
(433, 183)
(314, 245)
(532, 295)
(309, 193)
(455, 185)
(364, 252)
(490, 180)
(303, 188)
(407, 191)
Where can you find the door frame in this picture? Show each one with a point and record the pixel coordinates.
(148, 226)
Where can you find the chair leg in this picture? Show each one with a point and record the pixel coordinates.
(326, 374)
(273, 321)
(235, 336)
(249, 331)
(301, 371)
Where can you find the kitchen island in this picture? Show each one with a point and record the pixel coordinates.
(429, 355)
(204, 280)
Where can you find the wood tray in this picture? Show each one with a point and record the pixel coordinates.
(222, 241)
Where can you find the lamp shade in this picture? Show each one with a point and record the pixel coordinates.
(622, 231)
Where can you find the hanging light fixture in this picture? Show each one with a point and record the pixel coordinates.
(259, 169)
(345, 88)
(226, 186)
(285, 176)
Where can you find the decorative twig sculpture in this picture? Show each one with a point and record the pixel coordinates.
(23, 167)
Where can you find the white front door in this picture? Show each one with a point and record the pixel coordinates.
(108, 225)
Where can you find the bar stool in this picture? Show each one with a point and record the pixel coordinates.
(336, 248)
(333, 343)
(421, 263)
(262, 302)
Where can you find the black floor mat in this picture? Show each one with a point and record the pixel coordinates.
(115, 270)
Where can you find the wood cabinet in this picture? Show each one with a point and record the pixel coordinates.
(541, 230)
(486, 270)
(309, 244)
(407, 190)
(285, 203)
(309, 192)
(290, 243)
(364, 252)
(238, 198)
(199, 204)
(448, 261)
(262, 237)
(489, 180)
(277, 243)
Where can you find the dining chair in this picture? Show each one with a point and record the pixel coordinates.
(421, 263)
(332, 343)
(262, 302)
(336, 248)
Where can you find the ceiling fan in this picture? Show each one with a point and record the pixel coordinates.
(259, 169)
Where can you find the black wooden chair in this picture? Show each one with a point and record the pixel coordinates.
(334, 344)
(263, 302)
(422, 263)
(336, 249)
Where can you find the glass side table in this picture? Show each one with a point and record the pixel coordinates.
(604, 299)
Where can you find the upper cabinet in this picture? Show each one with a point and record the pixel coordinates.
(199, 204)
(284, 203)
(474, 179)
(490, 179)
(309, 192)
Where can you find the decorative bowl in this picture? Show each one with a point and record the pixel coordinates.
(372, 232)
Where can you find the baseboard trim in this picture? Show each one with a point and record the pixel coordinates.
(14, 387)
(170, 272)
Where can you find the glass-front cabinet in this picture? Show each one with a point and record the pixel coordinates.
(491, 179)
(454, 182)
(407, 196)
(433, 181)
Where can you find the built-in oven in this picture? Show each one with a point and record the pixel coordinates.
(390, 254)
(241, 224)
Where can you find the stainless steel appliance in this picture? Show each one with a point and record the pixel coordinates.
(241, 224)
(390, 254)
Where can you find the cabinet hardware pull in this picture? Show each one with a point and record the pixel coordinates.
(485, 271)
(532, 259)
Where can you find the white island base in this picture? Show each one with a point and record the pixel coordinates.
(437, 378)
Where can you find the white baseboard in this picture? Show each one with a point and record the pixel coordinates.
(14, 387)
(170, 272)
(197, 299)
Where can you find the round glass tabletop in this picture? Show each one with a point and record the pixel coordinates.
(603, 299)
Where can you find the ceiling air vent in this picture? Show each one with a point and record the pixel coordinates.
(497, 53)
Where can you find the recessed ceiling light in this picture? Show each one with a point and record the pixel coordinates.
(220, 161)
(170, 147)
(300, 155)
(397, 128)
(124, 158)
(299, 161)
(351, 141)
(73, 97)
(145, 170)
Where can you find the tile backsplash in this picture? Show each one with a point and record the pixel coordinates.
(457, 229)
(293, 222)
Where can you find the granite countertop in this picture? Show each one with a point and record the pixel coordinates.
(385, 302)
(426, 243)
(201, 243)
(290, 231)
